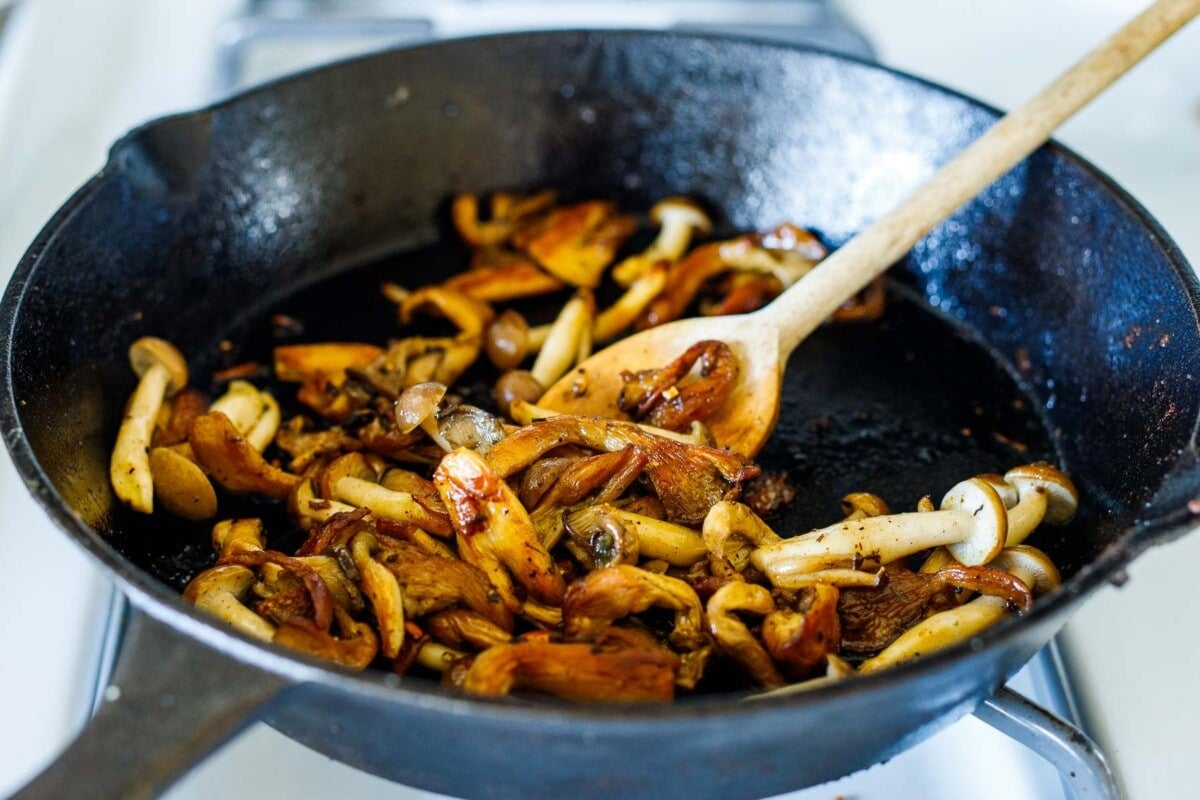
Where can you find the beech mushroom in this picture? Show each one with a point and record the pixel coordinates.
(162, 371)
(626, 309)
(972, 523)
(678, 219)
(1033, 494)
(651, 538)
(599, 540)
(568, 342)
(732, 635)
(948, 628)
(220, 591)
(731, 533)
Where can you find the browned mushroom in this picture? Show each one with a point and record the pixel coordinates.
(162, 371)
(233, 462)
(499, 275)
(507, 212)
(494, 531)
(661, 397)
(575, 243)
(469, 314)
(615, 670)
(800, 637)
(688, 479)
(732, 635)
(601, 597)
(458, 627)
(678, 218)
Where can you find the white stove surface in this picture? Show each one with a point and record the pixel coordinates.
(75, 74)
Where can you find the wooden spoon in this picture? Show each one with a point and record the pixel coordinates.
(763, 340)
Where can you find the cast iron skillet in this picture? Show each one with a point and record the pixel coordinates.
(1052, 313)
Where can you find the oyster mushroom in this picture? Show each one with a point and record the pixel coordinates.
(233, 462)
(494, 531)
(972, 522)
(458, 626)
(601, 597)
(220, 591)
(663, 398)
(162, 371)
(524, 412)
(731, 533)
(499, 275)
(507, 212)
(469, 314)
(616, 670)
(800, 638)
(575, 243)
(948, 628)
(382, 589)
(731, 633)
(678, 218)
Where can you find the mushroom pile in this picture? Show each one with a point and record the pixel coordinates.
(513, 549)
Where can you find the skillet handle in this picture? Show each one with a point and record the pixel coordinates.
(170, 703)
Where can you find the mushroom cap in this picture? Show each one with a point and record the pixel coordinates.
(989, 521)
(681, 208)
(181, 486)
(1007, 491)
(150, 350)
(1061, 495)
(1030, 565)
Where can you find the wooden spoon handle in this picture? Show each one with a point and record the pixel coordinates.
(804, 306)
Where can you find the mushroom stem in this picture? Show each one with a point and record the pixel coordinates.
(678, 218)
(130, 465)
(972, 523)
(568, 341)
(219, 592)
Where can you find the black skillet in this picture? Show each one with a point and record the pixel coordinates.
(1050, 318)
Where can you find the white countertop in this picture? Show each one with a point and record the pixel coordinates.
(74, 75)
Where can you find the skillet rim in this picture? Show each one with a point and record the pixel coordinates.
(157, 600)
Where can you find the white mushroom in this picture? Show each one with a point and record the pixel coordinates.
(947, 628)
(678, 219)
(972, 523)
(163, 372)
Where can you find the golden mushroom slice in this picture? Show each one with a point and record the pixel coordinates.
(568, 341)
(181, 486)
(233, 536)
(731, 533)
(220, 591)
(626, 309)
(948, 628)
(972, 522)
(734, 637)
(678, 545)
(162, 371)
(575, 243)
(678, 218)
(469, 314)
